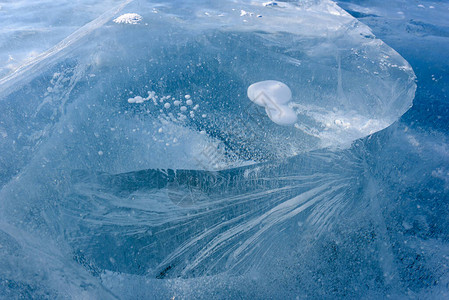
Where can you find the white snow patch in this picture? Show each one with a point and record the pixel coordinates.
(130, 18)
(270, 3)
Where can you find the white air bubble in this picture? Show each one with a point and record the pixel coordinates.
(281, 114)
(274, 96)
(136, 99)
(267, 91)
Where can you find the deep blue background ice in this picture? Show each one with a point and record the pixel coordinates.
(384, 230)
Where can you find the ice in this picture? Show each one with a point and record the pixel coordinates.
(27, 29)
(323, 58)
(138, 162)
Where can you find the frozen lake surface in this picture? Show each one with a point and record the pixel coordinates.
(232, 149)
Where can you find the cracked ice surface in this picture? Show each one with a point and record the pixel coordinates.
(132, 153)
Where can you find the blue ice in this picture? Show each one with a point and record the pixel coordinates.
(231, 149)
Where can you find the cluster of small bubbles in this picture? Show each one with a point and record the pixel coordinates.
(172, 109)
